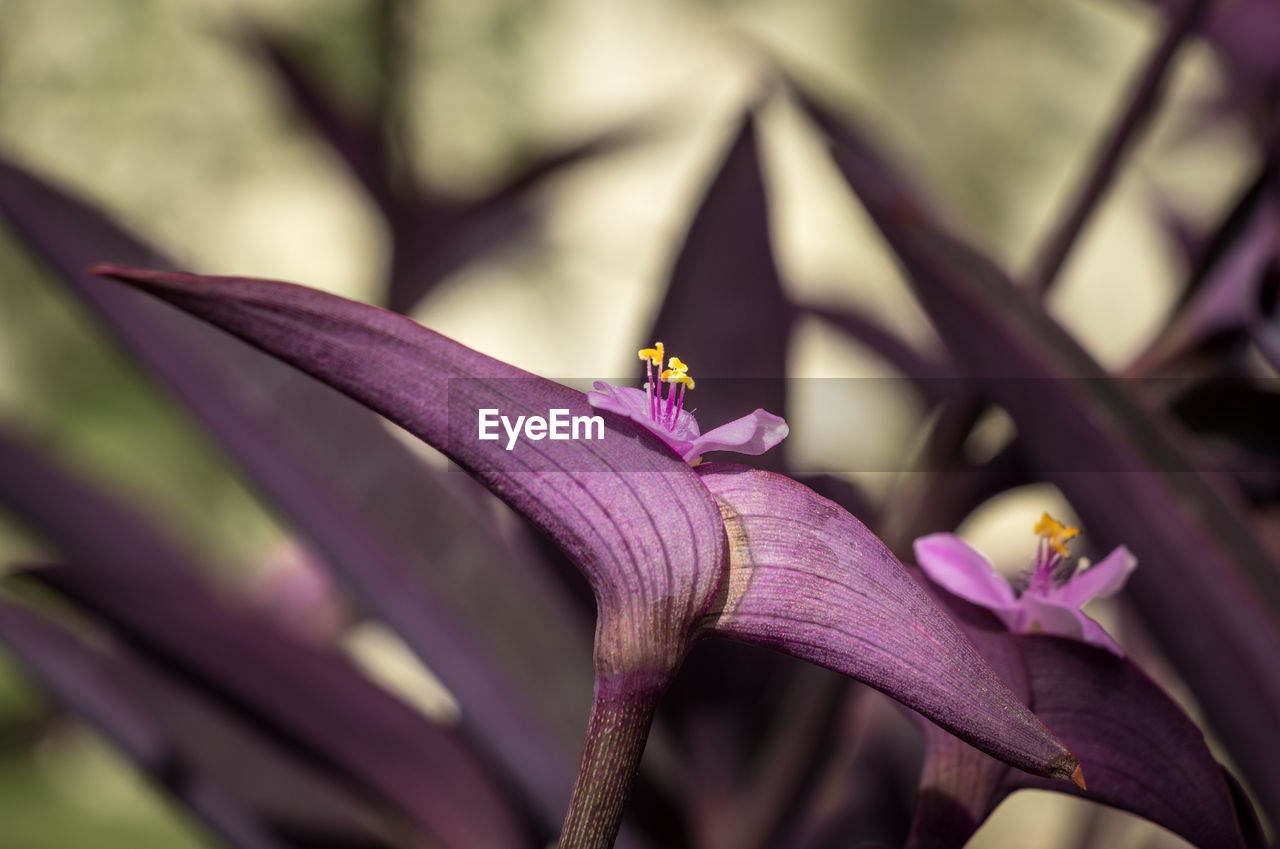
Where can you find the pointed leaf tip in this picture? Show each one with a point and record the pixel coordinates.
(808, 579)
(652, 575)
(1066, 767)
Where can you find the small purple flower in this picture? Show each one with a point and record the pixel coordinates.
(667, 419)
(1055, 590)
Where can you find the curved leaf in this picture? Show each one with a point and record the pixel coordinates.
(1211, 599)
(809, 580)
(647, 535)
(1142, 754)
(727, 259)
(146, 589)
(73, 673)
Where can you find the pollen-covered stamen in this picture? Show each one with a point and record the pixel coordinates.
(1055, 533)
(664, 411)
(676, 373)
(1052, 549)
(653, 359)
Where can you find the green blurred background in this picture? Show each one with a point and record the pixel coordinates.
(150, 109)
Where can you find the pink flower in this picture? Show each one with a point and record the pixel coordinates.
(1055, 591)
(667, 419)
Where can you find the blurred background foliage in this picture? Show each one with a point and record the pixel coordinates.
(158, 112)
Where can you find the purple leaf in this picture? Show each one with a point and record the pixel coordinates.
(807, 579)
(647, 536)
(358, 141)
(1141, 752)
(145, 588)
(959, 786)
(433, 236)
(1182, 235)
(1227, 294)
(379, 517)
(1245, 33)
(1141, 103)
(1233, 226)
(1123, 469)
(1239, 421)
(641, 525)
(78, 677)
(306, 696)
(725, 269)
(935, 381)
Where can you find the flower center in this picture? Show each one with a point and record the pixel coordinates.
(665, 411)
(1052, 549)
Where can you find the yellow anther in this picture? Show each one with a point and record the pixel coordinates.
(677, 372)
(1055, 533)
(653, 355)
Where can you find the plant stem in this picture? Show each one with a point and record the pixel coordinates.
(621, 714)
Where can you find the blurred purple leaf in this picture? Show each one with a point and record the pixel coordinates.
(869, 788)
(1239, 421)
(432, 235)
(726, 269)
(1227, 291)
(934, 380)
(357, 140)
(1181, 233)
(145, 589)
(395, 531)
(1245, 33)
(1123, 132)
(78, 676)
(809, 580)
(1237, 221)
(1123, 469)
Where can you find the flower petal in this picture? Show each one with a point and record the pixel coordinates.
(648, 536)
(961, 569)
(1044, 614)
(809, 580)
(754, 433)
(1103, 578)
(635, 405)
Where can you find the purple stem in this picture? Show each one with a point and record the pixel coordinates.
(1145, 97)
(621, 715)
